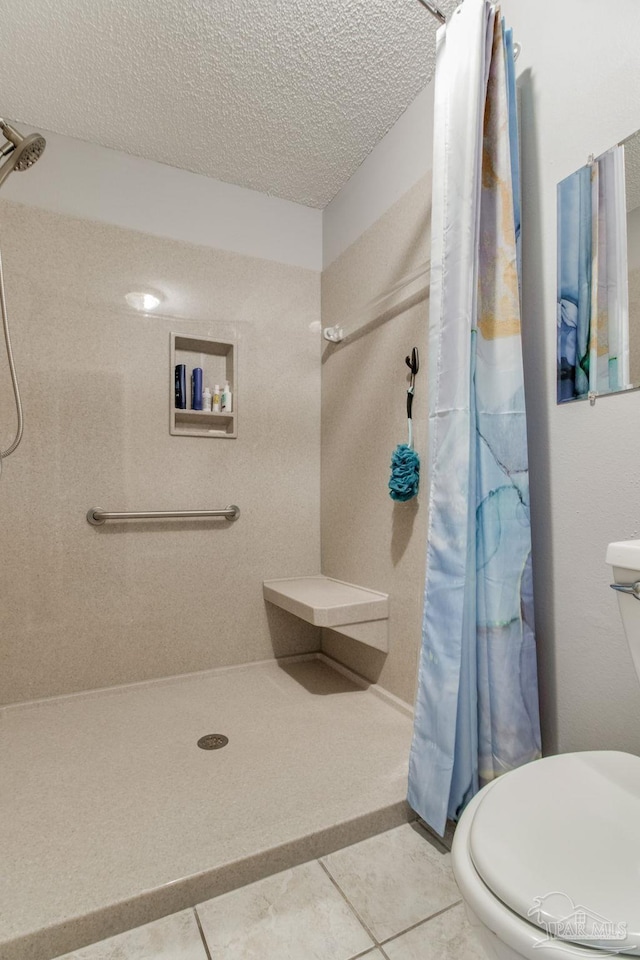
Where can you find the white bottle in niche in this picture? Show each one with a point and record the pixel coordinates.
(206, 400)
(215, 407)
(226, 399)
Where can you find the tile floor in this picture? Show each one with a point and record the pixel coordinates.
(391, 897)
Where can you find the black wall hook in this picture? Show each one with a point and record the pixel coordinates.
(413, 362)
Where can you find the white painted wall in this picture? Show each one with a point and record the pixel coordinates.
(579, 77)
(93, 182)
(579, 81)
(392, 168)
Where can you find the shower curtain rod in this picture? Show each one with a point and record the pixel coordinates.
(435, 11)
(406, 293)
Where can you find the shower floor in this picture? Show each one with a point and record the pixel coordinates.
(111, 816)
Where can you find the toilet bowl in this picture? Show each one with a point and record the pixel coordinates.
(547, 857)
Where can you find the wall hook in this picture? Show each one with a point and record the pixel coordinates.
(413, 362)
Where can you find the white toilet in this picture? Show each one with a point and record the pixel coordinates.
(547, 857)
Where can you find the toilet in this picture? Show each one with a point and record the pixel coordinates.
(547, 857)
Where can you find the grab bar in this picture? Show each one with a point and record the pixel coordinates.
(97, 517)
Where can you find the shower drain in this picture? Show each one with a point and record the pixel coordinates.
(213, 741)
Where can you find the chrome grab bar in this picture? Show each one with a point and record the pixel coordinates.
(632, 588)
(97, 517)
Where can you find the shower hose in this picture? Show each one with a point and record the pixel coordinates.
(12, 370)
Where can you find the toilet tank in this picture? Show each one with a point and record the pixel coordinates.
(624, 557)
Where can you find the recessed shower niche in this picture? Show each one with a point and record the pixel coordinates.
(218, 362)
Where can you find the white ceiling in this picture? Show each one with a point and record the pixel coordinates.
(284, 96)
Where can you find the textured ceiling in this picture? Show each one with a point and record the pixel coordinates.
(283, 96)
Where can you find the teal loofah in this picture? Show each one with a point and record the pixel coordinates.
(405, 473)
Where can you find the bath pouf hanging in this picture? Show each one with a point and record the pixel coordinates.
(405, 463)
(405, 473)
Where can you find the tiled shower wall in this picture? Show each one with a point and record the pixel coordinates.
(85, 607)
(368, 539)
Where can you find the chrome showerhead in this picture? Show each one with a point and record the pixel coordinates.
(21, 152)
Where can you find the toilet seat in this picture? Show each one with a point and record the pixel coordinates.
(557, 842)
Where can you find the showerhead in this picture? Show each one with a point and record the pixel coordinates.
(21, 152)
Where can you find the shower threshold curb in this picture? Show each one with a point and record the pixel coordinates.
(304, 843)
(81, 931)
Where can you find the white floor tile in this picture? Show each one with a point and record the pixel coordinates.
(295, 915)
(173, 938)
(446, 937)
(395, 879)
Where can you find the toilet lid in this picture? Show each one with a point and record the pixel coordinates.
(558, 841)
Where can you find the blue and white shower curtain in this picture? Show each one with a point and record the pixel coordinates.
(477, 703)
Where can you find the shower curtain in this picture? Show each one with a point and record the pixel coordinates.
(477, 702)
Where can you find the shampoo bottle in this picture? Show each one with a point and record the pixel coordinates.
(206, 399)
(226, 400)
(196, 388)
(216, 399)
(181, 387)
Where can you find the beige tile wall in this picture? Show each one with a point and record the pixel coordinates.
(85, 607)
(366, 538)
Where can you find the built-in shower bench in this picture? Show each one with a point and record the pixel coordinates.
(353, 611)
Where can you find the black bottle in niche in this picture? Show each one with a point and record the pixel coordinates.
(181, 386)
(196, 388)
